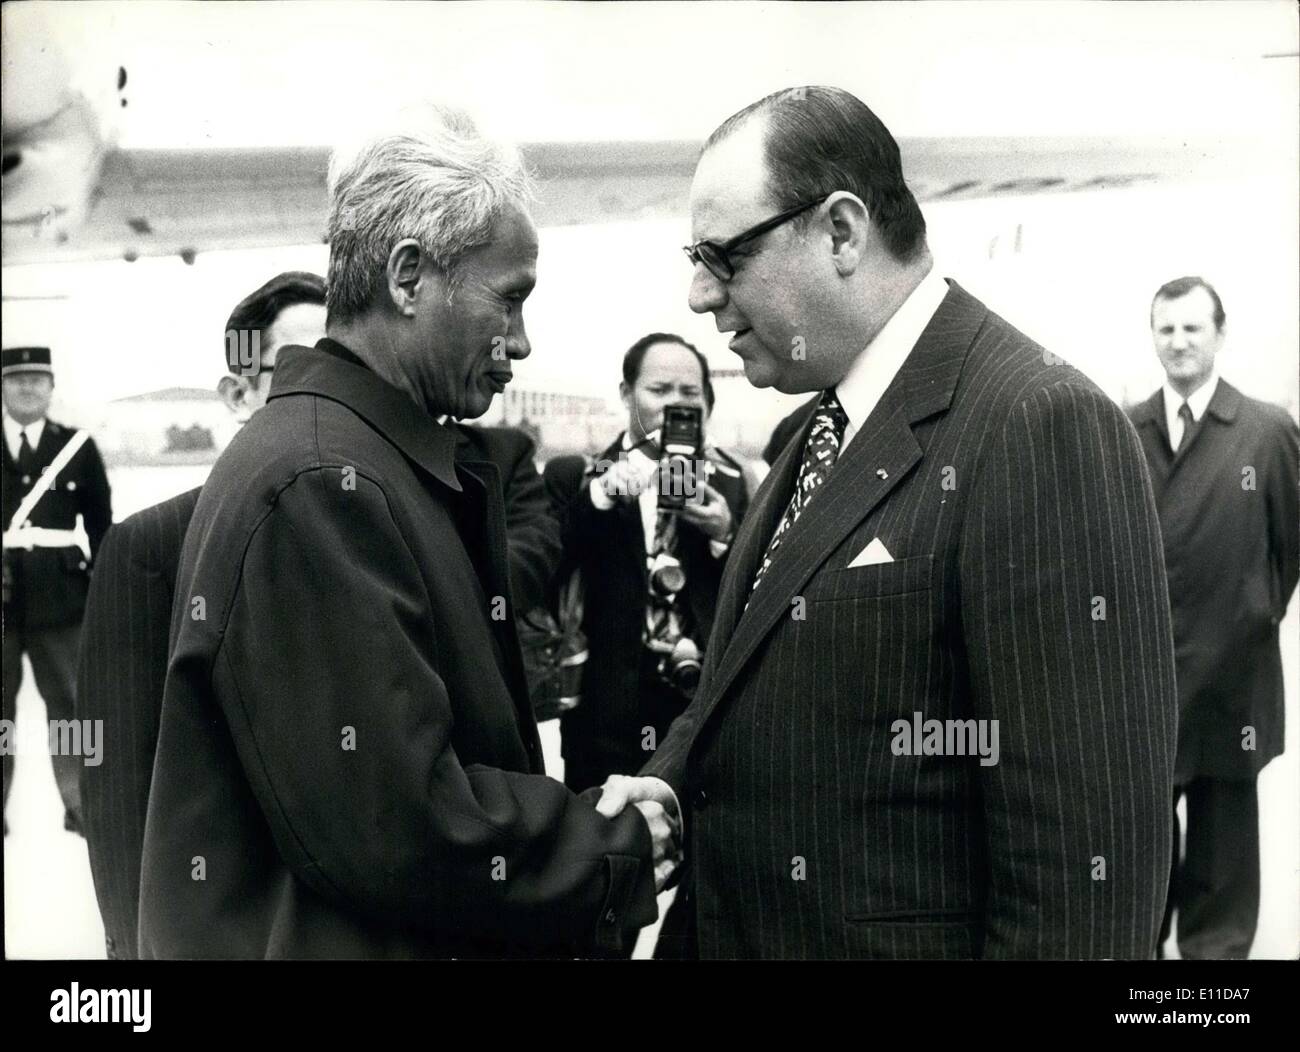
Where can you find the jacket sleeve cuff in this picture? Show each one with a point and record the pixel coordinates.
(629, 904)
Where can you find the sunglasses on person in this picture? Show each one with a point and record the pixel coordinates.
(717, 257)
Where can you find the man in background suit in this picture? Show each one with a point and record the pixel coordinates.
(963, 538)
(1224, 468)
(46, 572)
(123, 661)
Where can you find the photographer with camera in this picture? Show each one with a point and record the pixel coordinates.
(648, 524)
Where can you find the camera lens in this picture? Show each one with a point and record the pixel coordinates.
(667, 576)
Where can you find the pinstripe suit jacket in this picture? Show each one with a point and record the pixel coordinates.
(1027, 587)
(120, 680)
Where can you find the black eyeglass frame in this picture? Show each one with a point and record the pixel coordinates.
(723, 251)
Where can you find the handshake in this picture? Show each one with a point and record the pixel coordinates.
(658, 806)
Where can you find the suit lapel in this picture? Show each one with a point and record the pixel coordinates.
(880, 456)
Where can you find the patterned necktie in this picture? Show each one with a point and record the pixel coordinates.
(1185, 415)
(819, 455)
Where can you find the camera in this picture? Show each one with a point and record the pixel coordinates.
(667, 577)
(681, 446)
(678, 656)
(680, 663)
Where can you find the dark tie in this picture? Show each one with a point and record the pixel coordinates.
(1185, 415)
(26, 455)
(819, 455)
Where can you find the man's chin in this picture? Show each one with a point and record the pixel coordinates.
(758, 373)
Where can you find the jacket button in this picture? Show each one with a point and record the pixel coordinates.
(701, 800)
(610, 918)
(27, 479)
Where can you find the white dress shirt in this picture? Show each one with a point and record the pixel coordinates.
(1198, 401)
(14, 434)
(876, 366)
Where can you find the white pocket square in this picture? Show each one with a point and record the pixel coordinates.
(873, 553)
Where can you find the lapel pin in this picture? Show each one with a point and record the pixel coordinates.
(881, 473)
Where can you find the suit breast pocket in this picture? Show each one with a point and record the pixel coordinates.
(900, 577)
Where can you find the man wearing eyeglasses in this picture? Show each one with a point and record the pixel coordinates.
(937, 713)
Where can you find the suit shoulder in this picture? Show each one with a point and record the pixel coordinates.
(514, 444)
(151, 532)
(1146, 409)
(1008, 369)
(570, 467)
(168, 516)
(1274, 418)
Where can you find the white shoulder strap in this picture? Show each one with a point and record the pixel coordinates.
(44, 483)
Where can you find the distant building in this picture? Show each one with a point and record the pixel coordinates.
(559, 422)
(175, 425)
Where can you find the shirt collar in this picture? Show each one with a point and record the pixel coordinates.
(1198, 401)
(878, 363)
(14, 431)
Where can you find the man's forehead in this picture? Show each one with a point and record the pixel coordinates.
(729, 191)
(670, 361)
(1191, 305)
(512, 252)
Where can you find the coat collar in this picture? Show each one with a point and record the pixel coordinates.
(1223, 405)
(880, 456)
(339, 375)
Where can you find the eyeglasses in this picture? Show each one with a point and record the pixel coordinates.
(717, 257)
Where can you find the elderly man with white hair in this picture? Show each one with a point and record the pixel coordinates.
(348, 764)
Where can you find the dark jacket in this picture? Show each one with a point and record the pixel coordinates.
(347, 762)
(1230, 519)
(120, 678)
(124, 657)
(605, 733)
(791, 425)
(533, 531)
(48, 585)
(1011, 494)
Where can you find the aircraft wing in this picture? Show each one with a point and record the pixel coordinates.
(183, 202)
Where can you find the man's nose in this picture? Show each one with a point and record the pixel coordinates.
(707, 292)
(518, 346)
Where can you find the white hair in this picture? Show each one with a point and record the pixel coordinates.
(437, 180)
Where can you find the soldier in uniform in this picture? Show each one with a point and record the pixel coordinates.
(46, 571)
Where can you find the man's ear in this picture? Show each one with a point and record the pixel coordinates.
(234, 392)
(850, 231)
(625, 394)
(408, 277)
